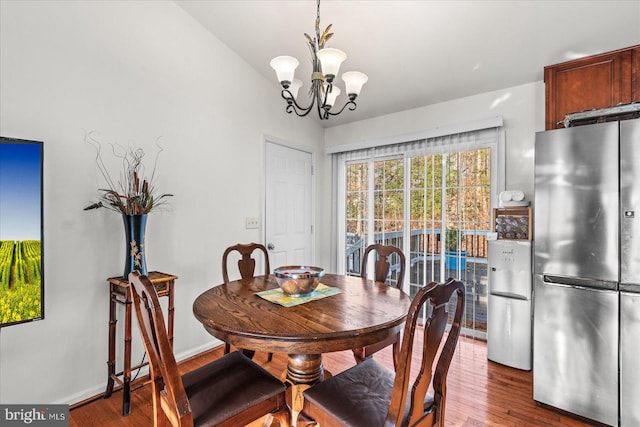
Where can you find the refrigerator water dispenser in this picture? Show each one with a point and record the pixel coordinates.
(509, 330)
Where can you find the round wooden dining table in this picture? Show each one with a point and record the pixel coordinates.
(363, 313)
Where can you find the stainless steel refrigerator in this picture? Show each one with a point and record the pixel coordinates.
(587, 271)
(509, 330)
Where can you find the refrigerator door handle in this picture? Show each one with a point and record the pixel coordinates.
(580, 282)
(510, 295)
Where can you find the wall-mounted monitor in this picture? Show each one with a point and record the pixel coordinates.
(21, 231)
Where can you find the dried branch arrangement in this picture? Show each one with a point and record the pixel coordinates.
(132, 193)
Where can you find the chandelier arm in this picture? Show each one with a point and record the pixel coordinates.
(291, 109)
(293, 106)
(352, 106)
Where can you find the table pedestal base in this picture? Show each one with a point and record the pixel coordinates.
(303, 370)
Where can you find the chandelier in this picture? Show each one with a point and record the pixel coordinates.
(326, 64)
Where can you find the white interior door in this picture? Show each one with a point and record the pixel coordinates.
(288, 195)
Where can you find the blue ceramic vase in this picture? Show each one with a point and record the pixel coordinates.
(134, 228)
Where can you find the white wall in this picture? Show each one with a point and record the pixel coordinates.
(521, 107)
(131, 71)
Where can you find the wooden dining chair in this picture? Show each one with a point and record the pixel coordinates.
(247, 268)
(369, 395)
(383, 254)
(230, 391)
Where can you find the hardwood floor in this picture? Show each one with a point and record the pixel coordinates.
(480, 392)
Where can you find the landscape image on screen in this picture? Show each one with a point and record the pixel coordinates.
(20, 231)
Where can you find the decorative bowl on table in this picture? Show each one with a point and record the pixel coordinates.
(298, 280)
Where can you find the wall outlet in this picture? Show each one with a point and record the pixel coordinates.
(252, 222)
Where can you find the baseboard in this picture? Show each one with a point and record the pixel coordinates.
(197, 351)
(96, 392)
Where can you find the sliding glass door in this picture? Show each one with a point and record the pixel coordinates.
(450, 198)
(436, 207)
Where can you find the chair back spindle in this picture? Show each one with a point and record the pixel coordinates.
(383, 254)
(431, 372)
(247, 269)
(246, 264)
(382, 266)
(162, 363)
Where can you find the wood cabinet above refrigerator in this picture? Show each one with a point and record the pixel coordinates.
(597, 81)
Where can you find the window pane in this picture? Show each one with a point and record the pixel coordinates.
(434, 170)
(378, 204)
(356, 205)
(452, 173)
(417, 198)
(418, 171)
(433, 206)
(452, 202)
(395, 206)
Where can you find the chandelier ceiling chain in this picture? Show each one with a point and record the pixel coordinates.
(326, 64)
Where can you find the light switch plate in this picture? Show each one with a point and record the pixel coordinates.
(252, 222)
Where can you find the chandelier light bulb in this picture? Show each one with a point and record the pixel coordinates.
(331, 97)
(330, 60)
(295, 87)
(354, 80)
(285, 67)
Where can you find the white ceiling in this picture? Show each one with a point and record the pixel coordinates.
(422, 52)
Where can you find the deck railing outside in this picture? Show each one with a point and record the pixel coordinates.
(425, 265)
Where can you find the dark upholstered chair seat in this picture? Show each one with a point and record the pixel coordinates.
(367, 386)
(240, 385)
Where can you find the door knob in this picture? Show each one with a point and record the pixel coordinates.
(271, 246)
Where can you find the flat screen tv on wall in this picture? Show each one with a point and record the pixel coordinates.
(21, 232)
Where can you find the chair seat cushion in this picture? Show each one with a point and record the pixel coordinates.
(357, 397)
(226, 387)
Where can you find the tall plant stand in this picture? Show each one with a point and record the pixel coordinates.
(120, 293)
